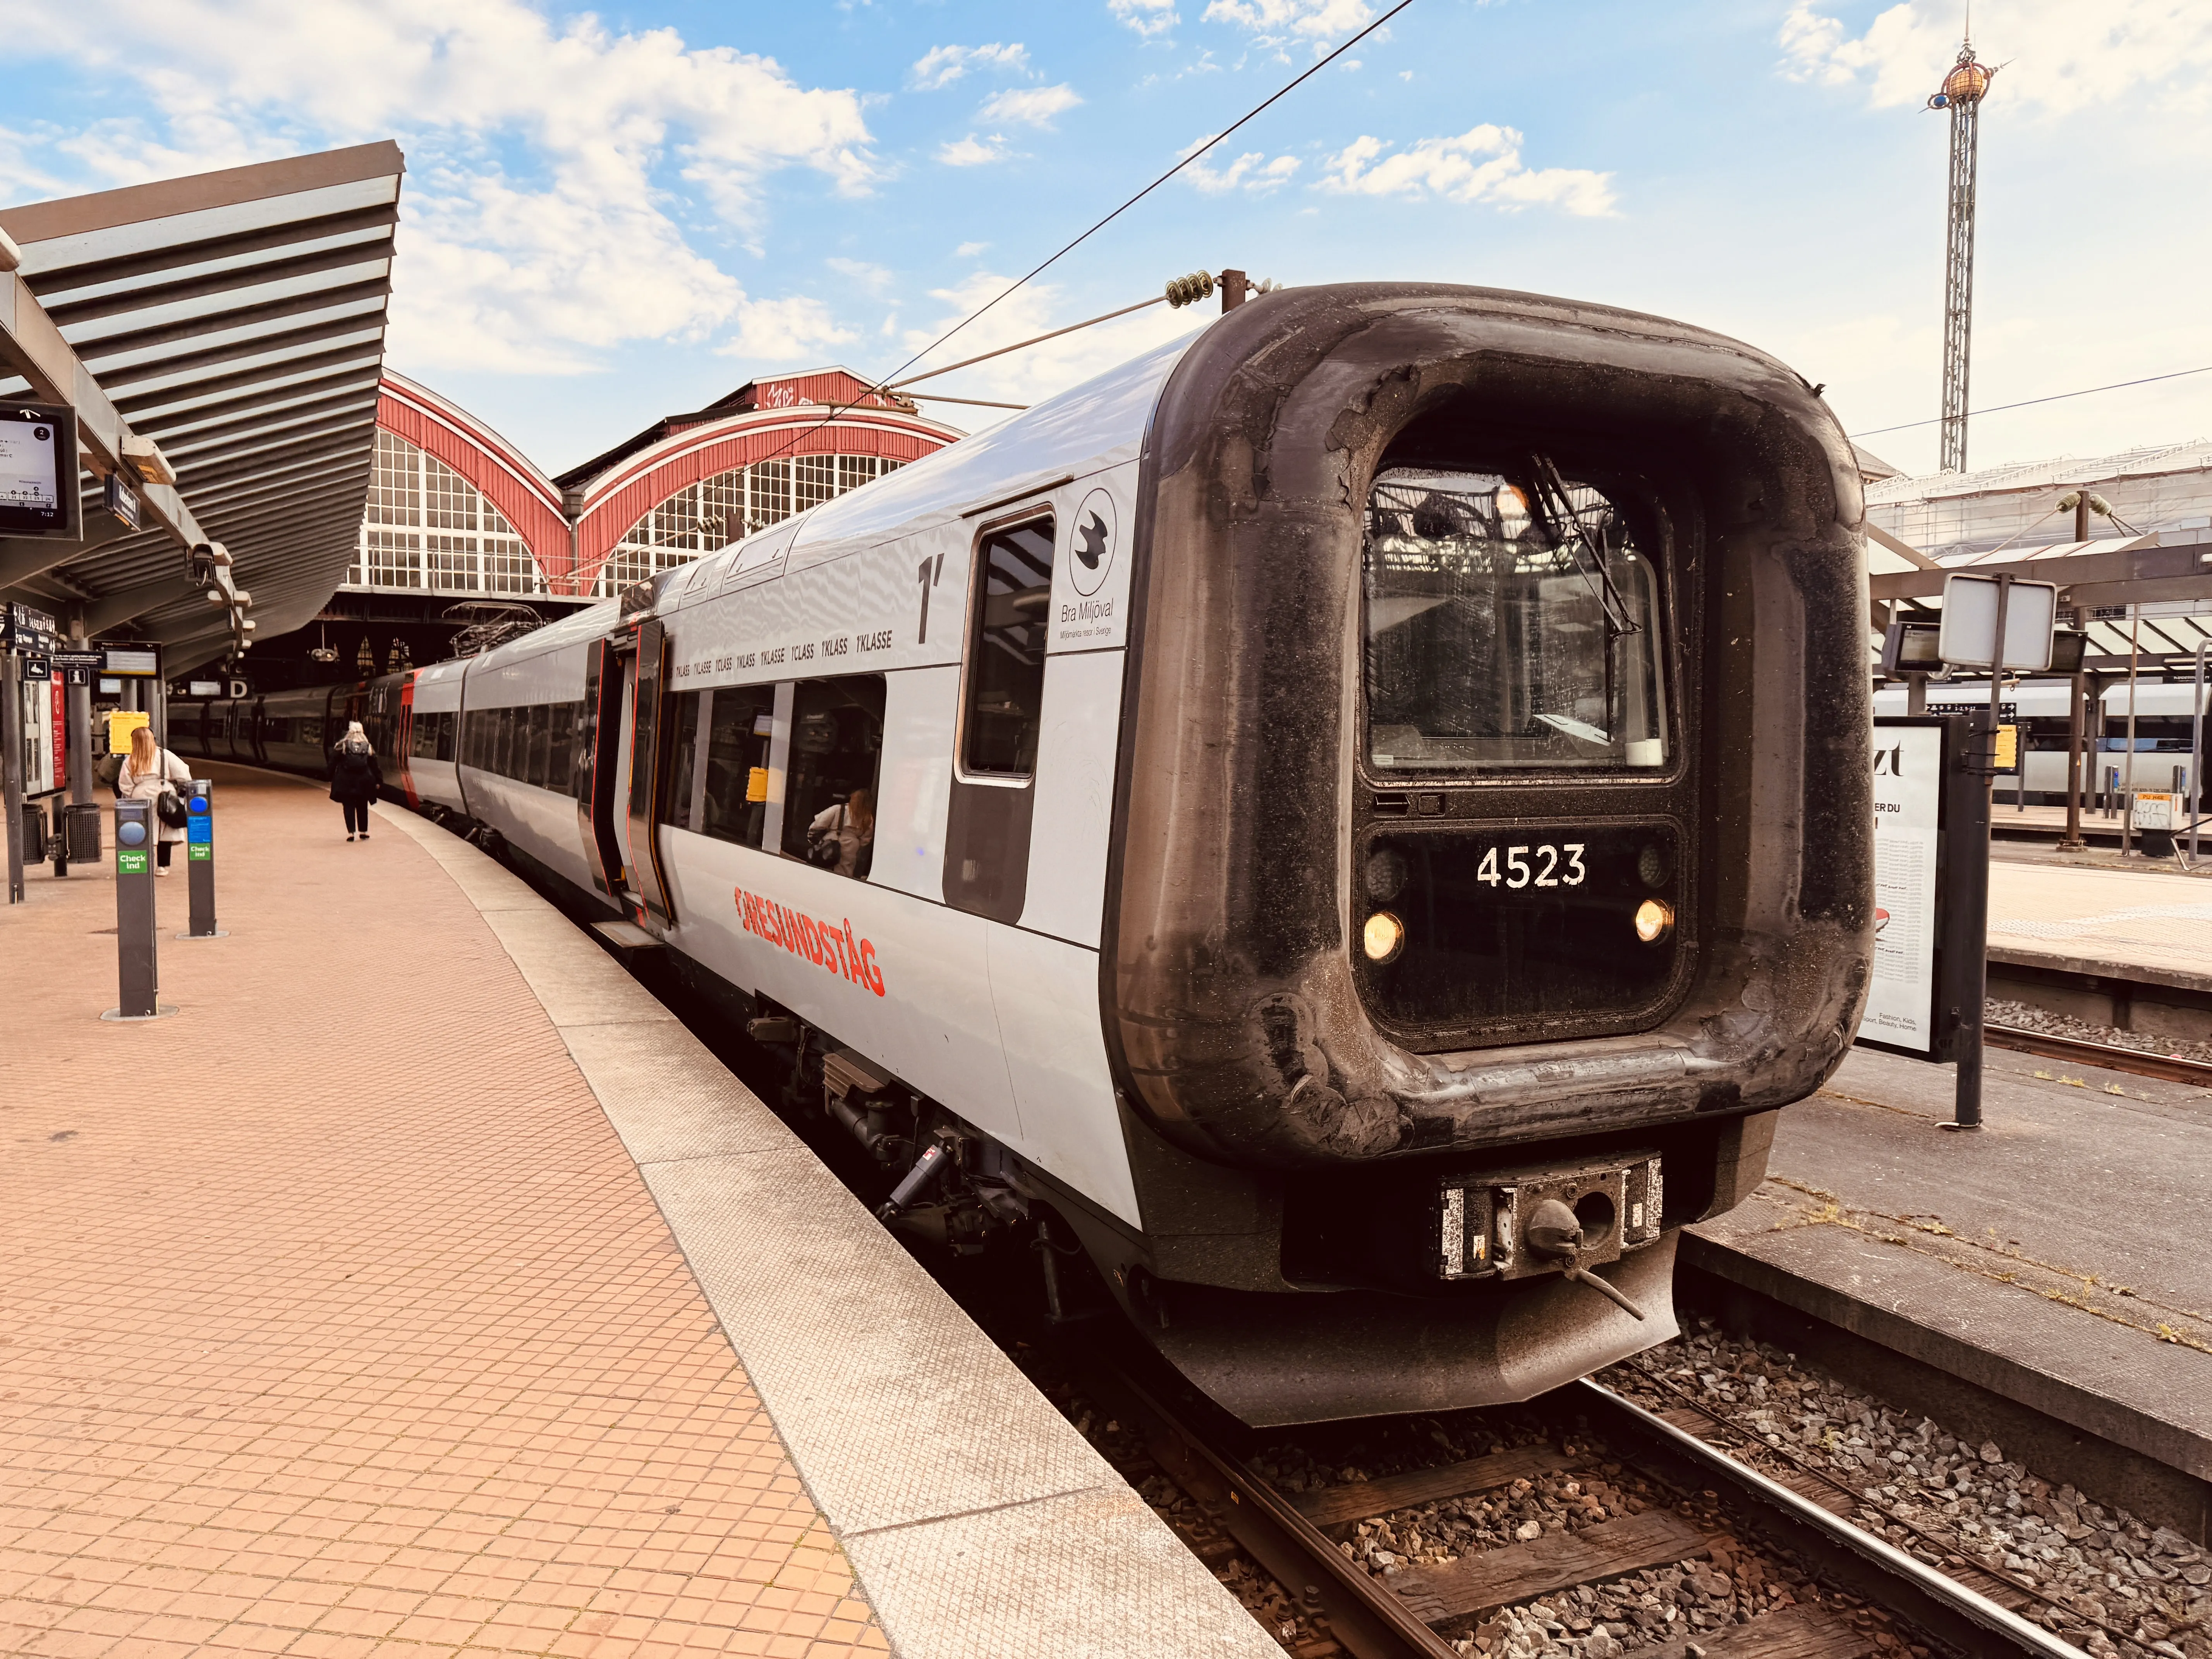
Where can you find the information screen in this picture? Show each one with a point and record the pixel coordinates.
(38, 471)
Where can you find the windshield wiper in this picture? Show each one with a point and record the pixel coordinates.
(1566, 524)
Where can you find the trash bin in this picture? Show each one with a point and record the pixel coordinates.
(34, 832)
(82, 832)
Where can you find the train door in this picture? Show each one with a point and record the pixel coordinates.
(406, 745)
(607, 667)
(648, 746)
(259, 731)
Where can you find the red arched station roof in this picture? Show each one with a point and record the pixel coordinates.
(507, 479)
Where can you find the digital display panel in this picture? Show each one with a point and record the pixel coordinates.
(38, 471)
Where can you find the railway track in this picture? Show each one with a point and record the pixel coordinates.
(2113, 1057)
(1712, 1514)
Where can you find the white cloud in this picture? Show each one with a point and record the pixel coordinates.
(969, 250)
(1033, 106)
(1483, 164)
(780, 330)
(940, 66)
(559, 247)
(1306, 18)
(973, 152)
(870, 278)
(1251, 171)
(2058, 59)
(1148, 17)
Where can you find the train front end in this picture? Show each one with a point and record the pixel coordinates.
(1494, 839)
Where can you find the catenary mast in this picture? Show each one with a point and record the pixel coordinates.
(1962, 92)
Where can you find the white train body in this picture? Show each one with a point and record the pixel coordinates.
(1107, 938)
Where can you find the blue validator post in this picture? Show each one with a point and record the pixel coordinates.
(199, 858)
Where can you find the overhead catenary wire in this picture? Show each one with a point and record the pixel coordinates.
(880, 388)
(2055, 397)
(1034, 339)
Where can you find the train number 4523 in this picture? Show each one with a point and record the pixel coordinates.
(1534, 866)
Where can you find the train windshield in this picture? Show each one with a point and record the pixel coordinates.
(1512, 625)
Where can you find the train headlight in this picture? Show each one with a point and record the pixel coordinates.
(1654, 919)
(1383, 937)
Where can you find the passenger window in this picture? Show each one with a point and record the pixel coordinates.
(422, 738)
(1004, 695)
(446, 724)
(735, 807)
(683, 759)
(504, 745)
(830, 788)
(562, 719)
(541, 744)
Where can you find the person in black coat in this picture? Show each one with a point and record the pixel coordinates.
(355, 779)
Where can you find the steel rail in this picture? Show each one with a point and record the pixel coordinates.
(1842, 1552)
(2141, 1062)
(1365, 1619)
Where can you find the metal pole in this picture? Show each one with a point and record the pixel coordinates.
(1916, 692)
(2128, 782)
(2076, 734)
(1997, 680)
(11, 769)
(1965, 906)
(2196, 748)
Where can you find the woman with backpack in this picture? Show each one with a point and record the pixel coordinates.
(355, 779)
(150, 772)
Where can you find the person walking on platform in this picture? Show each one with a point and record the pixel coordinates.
(355, 779)
(150, 772)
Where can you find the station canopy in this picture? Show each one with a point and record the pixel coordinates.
(236, 318)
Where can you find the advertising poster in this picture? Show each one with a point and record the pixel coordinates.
(1908, 792)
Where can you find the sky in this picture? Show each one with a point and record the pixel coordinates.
(614, 215)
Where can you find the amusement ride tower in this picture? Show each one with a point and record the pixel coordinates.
(1962, 92)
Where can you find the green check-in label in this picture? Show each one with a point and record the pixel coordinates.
(199, 851)
(130, 860)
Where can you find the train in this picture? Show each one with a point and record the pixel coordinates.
(2166, 725)
(1354, 822)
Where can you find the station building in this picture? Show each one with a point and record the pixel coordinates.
(460, 529)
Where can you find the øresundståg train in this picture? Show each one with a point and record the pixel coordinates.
(1370, 819)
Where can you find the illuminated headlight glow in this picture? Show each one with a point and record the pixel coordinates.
(1654, 919)
(1383, 937)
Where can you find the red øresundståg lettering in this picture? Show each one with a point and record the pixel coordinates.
(827, 945)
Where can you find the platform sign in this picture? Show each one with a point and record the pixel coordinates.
(2007, 729)
(1908, 800)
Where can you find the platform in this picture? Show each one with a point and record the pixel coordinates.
(2133, 922)
(422, 1287)
(2056, 1258)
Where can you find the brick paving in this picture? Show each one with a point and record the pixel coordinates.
(335, 1320)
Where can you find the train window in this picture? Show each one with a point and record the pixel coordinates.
(445, 723)
(503, 745)
(1513, 624)
(675, 803)
(735, 805)
(422, 736)
(836, 750)
(541, 745)
(561, 747)
(1013, 600)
